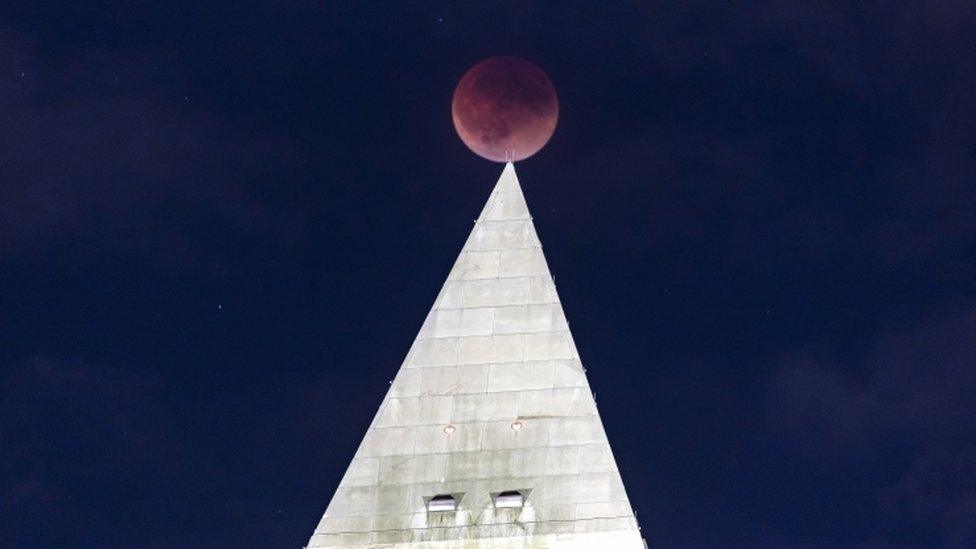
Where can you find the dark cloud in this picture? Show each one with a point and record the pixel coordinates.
(772, 111)
(77, 147)
(95, 147)
(70, 431)
(912, 399)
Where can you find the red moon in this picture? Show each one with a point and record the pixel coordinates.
(505, 109)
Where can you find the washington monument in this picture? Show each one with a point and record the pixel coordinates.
(489, 436)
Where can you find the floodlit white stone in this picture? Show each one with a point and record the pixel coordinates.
(491, 349)
(491, 399)
(557, 402)
(388, 441)
(406, 384)
(506, 236)
(454, 380)
(529, 319)
(549, 346)
(520, 376)
(433, 352)
(361, 472)
(398, 412)
(568, 373)
(577, 431)
(496, 292)
(450, 295)
(522, 262)
(443, 323)
(507, 206)
(474, 265)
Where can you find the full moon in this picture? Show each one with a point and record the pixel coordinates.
(505, 109)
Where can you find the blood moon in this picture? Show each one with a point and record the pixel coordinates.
(505, 108)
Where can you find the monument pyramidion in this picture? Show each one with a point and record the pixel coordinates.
(489, 436)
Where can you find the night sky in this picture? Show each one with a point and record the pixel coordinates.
(222, 224)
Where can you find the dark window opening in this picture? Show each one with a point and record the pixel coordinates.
(509, 499)
(442, 503)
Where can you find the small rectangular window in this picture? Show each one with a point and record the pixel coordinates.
(509, 499)
(442, 503)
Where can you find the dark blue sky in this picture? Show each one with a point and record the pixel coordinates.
(761, 219)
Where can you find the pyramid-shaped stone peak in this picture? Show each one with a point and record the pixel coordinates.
(489, 436)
